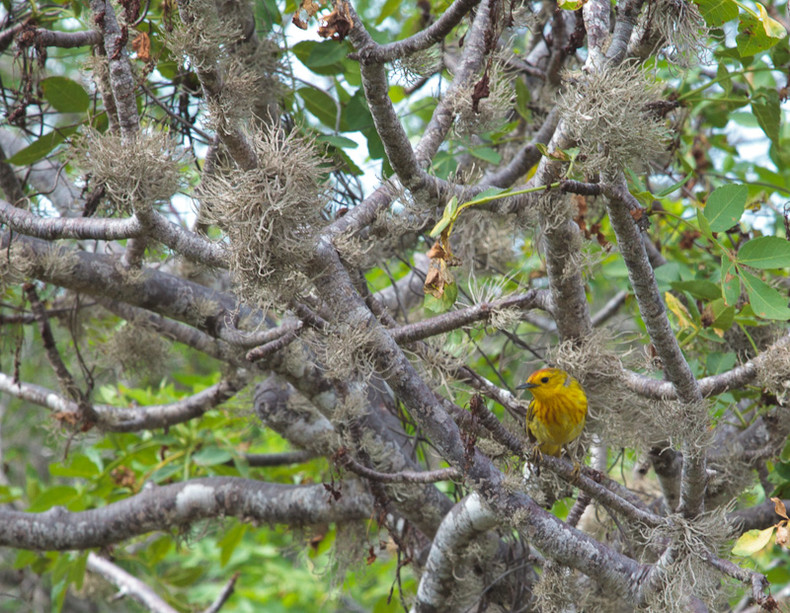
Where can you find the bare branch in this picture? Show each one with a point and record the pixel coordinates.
(64, 40)
(122, 80)
(180, 504)
(128, 585)
(129, 419)
(640, 272)
(223, 596)
(431, 35)
(28, 223)
(463, 317)
(405, 476)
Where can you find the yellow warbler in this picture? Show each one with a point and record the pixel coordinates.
(558, 409)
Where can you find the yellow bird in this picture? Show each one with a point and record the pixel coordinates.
(558, 409)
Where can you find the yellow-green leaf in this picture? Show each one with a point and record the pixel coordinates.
(448, 217)
(752, 541)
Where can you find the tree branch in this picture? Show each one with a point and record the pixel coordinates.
(129, 419)
(180, 504)
(431, 35)
(651, 307)
(128, 584)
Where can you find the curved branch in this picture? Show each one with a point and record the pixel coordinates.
(471, 60)
(453, 320)
(174, 506)
(431, 35)
(405, 476)
(25, 222)
(128, 584)
(709, 386)
(129, 419)
(651, 307)
(467, 520)
(64, 40)
(121, 79)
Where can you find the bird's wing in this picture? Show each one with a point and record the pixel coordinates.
(530, 415)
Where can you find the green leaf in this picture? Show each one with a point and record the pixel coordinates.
(487, 154)
(356, 115)
(340, 142)
(230, 541)
(65, 95)
(766, 302)
(209, 456)
(717, 12)
(570, 5)
(765, 252)
(322, 105)
(704, 290)
(80, 466)
(757, 31)
(675, 186)
(443, 304)
(704, 225)
(324, 58)
(717, 363)
(723, 314)
(77, 570)
(730, 282)
(448, 217)
(725, 206)
(752, 541)
(523, 97)
(389, 9)
(58, 495)
(765, 105)
(41, 147)
(267, 15)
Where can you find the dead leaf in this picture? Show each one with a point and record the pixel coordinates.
(687, 239)
(481, 91)
(436, 252)
(338, 23)
(779, 507)
(437, 278)
(142, 46)
(782, 534)
(306, 12)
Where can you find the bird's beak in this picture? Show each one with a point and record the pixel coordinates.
(526, 386)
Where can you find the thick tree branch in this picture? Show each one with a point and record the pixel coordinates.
(465, 522)
(736, 378)
(28, 223)
(122, 80)
(651, 307)
(64, 40)
(180, 504)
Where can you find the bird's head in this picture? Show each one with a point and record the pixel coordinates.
(546, 381)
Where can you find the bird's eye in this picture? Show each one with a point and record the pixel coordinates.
(544, 380)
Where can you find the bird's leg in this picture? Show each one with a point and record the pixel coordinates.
(535, 458)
